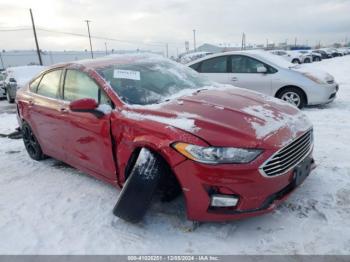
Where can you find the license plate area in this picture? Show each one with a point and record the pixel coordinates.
(302, 171)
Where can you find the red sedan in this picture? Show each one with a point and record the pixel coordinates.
(148, 124)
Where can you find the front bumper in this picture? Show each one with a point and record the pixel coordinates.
(322, 94)
(257, 194)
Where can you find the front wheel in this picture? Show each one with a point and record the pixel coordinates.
(31, 143)
(293, 96)
(137, 193)
(9, 98)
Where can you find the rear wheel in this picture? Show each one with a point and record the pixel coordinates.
(293, 96)
(31, 143)
(317, 59)
(141, 185)
(295, 61)
(8, 97)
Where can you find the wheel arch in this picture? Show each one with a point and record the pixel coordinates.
(291, 86)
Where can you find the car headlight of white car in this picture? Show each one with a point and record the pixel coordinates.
(217, 155)
(313, 78)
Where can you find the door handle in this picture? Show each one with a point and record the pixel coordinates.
(234, 79)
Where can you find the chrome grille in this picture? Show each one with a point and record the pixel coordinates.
(289, 156)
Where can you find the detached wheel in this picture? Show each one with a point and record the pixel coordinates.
(295, 61)
(8, 97)
(293, 96)
(31, 143)
(142, 183)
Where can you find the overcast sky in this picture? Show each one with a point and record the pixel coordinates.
(148, 24)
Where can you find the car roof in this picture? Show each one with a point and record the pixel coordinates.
(110, 60)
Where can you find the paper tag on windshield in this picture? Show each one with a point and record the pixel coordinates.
(126, 74)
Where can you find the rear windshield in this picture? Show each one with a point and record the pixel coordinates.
(150, 81)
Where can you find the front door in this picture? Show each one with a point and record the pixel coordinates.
(88, 144)
(244, 73)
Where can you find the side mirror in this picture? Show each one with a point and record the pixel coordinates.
(86, 105)
(261, 69)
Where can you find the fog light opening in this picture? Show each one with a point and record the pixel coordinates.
(218, 200)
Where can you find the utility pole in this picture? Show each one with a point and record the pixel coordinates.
(2, 62)
(35, 37)
(167, 50)
(106, 48)
(267, 43)
(88, 27)
(194, 40)
(243, 42)
(295, 42)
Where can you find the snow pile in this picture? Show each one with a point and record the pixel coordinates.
(184, 121)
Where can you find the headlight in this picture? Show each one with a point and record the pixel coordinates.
(313, 78)
(217, 155)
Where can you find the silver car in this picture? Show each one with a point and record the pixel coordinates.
(269, 74)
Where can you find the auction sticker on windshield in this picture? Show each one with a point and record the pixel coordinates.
(126, 74)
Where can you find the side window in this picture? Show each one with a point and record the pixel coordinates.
(196, 66)
(79, 85)
(245, 64)
(50, 84)
(34, 84)
(215, 65)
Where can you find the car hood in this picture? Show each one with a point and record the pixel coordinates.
(233, 117)
(322, 75)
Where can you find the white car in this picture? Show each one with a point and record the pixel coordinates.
(269, 74)
(291, 57)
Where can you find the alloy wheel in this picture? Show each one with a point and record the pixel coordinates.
(30, 142)
(292, 97)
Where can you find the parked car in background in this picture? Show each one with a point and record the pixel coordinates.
(334, 52)
(323, 53)
(316, 57)
(294, 58)
(269, 74)
(305, 57)
(16, 77)
(146, 123)
(2, 85)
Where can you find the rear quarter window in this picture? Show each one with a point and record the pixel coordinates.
(34, 84)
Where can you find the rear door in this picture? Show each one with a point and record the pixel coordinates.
(45, 113)
(215, 69)
(244, 73)
(88, 141)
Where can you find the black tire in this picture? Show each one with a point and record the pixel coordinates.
(31, 143)
(307, 61)
(8, 97)
(296, 61)
(317, 59)
(141, 185)
(293, 90)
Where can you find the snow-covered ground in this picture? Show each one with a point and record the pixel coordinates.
(49, 208)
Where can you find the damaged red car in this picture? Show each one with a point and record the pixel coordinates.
(147, 124)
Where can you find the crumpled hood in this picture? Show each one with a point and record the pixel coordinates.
(322, 75)
(234, 117)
